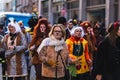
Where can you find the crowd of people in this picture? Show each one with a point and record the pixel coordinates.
(66, 50)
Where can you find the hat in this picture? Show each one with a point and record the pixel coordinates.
(75, 21)
(15, 25)
(70, 20)
(85, 24)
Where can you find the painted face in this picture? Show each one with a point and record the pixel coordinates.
(11, 29)
(57, 33)
(78, 33)
(42, 27)
(118, 32)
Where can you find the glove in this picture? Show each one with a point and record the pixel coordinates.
(51, 63)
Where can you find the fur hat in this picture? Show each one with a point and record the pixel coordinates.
(85, 24)
(15, 25)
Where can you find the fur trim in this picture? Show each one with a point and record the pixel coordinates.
(57, 43)
(52, 42)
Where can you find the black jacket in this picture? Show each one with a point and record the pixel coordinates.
(108, 58)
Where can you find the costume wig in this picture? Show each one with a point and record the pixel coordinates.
(37, 33)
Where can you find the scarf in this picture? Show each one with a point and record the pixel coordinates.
(52, 41)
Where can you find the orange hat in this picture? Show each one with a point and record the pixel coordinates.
(85, 24)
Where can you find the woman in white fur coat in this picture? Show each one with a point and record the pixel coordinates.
(15, 44)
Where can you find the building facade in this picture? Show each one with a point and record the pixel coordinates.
(92, 10)
(7, 5)
(27, 6)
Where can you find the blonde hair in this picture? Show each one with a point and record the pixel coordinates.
(61, 27)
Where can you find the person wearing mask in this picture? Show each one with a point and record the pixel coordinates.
(79, 55)
(53, 54)
(41, 31)
(15, 44)
(108, 55)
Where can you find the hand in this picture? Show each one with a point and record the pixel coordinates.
(52, 63)
(89, 61)
(98, 77)
(75, 61)
(32, 47)
(90, 64)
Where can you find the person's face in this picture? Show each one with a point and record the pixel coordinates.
(11, 29)
(57, 33)
(77, 33)
(88, 29)
(70, 25)
(42, 27)
(118, 32)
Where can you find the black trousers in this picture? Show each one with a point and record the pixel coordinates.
(115, 75)
(85, 76)
(38, 69)
(16, 78)
(46, 78)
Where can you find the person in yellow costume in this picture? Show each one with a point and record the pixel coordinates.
(79, 55)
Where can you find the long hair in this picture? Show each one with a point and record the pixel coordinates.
(112, 32)
(37, 33)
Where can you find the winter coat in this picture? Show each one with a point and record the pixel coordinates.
(16, 63)
(108, 59)
(48, 53)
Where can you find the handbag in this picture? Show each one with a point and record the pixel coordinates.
(67, 72)
(34, 57)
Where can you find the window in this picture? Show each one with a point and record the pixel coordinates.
(72, 5)
(95, 2)
(45, 6)
(56, 1)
